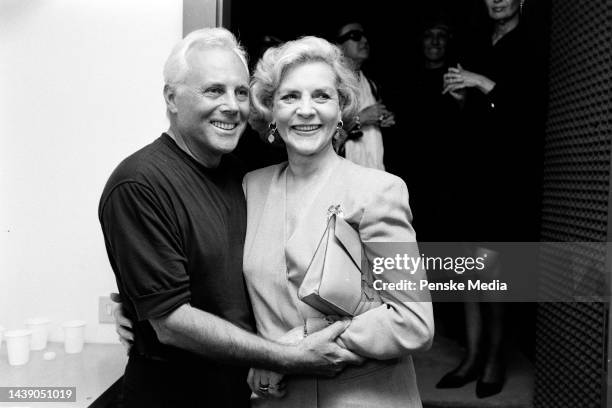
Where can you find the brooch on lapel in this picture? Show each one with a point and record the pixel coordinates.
(335, 210)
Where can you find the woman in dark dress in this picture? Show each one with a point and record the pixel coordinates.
(501, 95)
(433, 139)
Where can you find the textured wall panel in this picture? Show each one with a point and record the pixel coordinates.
(571, 337)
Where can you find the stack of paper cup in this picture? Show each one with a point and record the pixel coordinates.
(18, 346)
(74, 336)
(39, 329)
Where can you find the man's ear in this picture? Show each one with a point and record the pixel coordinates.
(169, 97)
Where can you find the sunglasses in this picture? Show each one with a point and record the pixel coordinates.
(355, 35)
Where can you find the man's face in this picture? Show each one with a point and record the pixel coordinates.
(434, 44)
(212, 103)
(353, 42)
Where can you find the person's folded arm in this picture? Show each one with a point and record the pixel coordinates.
(404, 322)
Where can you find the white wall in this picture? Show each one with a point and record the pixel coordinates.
(80, 89)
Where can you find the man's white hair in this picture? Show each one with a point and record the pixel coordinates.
(176, 66)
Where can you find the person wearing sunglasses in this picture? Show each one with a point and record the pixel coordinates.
(364, 144)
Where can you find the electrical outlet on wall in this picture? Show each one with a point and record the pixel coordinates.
(105, 310)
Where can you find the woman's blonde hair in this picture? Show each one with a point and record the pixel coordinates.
(276, 61)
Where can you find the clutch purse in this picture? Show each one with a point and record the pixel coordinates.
(332, 283)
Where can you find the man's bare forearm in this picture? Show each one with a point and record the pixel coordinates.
(210, 336)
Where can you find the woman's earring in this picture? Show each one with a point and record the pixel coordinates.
(339, 138)
(521, 6)
(271, 133)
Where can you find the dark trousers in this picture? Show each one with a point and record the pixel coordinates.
(158, 384)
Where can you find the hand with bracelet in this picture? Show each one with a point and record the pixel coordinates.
(267, 383)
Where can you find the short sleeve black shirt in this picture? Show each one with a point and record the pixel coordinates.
(174, 232)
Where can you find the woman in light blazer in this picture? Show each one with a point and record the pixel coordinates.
(303, 88)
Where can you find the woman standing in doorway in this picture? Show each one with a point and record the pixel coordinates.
(500, 90)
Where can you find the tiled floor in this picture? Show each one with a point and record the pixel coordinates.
(445, 355)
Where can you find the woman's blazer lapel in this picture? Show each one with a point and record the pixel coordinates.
(263, 205)
(302, 245)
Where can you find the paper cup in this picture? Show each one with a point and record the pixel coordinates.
(74, 336)
(39, 328)
(18, 346)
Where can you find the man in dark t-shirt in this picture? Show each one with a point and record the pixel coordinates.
(173, 217)
(178, 228)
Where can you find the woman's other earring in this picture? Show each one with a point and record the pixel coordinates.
(339, 139)
(271, 133)
(521, 5)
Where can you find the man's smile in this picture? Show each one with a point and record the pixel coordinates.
(224, 125)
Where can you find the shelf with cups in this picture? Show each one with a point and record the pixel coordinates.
(20, 342)
(91, 372)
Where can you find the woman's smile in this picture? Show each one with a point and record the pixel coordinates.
(305, 128)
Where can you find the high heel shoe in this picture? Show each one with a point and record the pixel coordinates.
(493, 377)
(454, 380)
(487, 389)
